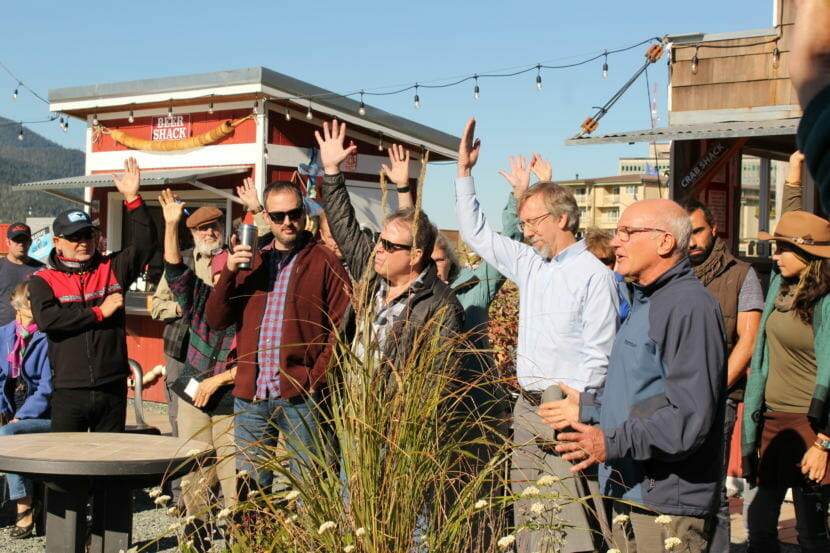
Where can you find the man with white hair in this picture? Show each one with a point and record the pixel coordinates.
(660, 415)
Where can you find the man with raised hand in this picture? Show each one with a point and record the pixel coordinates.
(660, 414)
(567, 321)
(77, 301)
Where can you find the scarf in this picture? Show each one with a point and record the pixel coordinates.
(67, 265)
(21, 342)
(713, 265)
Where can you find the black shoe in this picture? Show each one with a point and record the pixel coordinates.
(23, 532)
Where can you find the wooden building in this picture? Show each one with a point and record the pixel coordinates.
(250, 122)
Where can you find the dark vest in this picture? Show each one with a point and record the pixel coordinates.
(176, 333)
(725, 287)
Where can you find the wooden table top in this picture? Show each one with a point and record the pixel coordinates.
(97, 454)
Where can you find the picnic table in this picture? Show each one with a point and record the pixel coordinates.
(110, 466)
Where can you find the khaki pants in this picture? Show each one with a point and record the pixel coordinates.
(640, 533)
(217, 431)
(584, 515)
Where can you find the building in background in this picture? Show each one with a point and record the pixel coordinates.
(602, 200)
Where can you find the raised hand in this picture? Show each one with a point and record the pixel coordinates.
(541, 167)
(399, 172)
(130, 182)
(810, 50)
(468, 149)
(332, 149)
(171, 208)
(248, 194)
(519, 175)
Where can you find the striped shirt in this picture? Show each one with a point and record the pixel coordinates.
(270, 332)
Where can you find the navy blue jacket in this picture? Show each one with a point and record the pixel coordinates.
(37, 373)
(663, 403)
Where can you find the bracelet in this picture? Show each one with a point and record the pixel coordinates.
(403, 189)
(792, 183)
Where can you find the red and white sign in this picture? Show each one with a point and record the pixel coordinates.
(171, 127)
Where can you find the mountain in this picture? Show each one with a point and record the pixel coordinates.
(33, 159)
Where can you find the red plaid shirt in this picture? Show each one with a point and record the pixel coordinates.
(270, 332)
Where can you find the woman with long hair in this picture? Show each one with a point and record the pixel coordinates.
(25, 387)
(786, 423)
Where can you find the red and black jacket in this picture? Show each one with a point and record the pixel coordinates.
(86, 350)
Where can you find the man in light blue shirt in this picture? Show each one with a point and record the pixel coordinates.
(568, 313)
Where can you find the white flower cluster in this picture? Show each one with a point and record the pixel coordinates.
(530, 491)
(672, 542)
(620, 519)
(326, 526)
(548, 480)
(292, 495)
(480, 504)
(348, 549)
(506, 541)
(162, 500)
(537, 508)
(360, 532)
(663, 519)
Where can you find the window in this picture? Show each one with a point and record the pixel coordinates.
(631, 189)
(613, 214)
(615, 191)
(579, 191)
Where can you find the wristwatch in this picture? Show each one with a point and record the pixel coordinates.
(822, 443)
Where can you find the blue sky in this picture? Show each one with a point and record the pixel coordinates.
(348, 46)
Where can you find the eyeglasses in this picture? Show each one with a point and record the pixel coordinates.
(531, 222)
(279, 216)
(625, 232)
(80, 236)
(392, 247)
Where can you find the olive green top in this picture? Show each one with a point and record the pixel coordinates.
(792, 363)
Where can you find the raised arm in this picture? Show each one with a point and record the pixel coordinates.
(810, 53)
(345, 230)
(172, 210)
(398, 174)
(791, 200)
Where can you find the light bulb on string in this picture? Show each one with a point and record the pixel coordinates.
(265, 152)
(538, 77)
(476, 90)
(380, 142)
(20, 133)
(170, 110)
(287, 114)
(776, 57)
(605, 66)
(66, 126)
(131, 117)
(14, 94)
(694, 62)
(210, 105)
(308, 114)
(95, 119)
(255, 109)
(417, 100)
(362, 109)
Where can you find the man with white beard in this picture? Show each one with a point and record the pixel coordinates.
(208, 231)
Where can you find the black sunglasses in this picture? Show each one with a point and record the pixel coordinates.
(80, 236)
(392, 247)
(279, 216)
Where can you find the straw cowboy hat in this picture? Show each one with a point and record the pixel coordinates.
(804, 230)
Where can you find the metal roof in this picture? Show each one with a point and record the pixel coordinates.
(148, 178)
(254, 79)
(691, 132)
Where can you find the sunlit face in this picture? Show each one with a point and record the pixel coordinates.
(18, 247)
(442, 262)
(790, 263)
(290, 208)
(702, 239)
(540, 228)
(209, 237)
(389, 264)
(80, 246)
(639, 252)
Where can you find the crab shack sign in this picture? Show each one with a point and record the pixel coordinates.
(171, 127)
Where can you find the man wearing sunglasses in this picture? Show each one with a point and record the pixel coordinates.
(285, 308)
(15, 267)
(659, 433)
(77, 301)
(567, 321)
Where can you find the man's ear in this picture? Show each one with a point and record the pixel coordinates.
(715, 229)
(416, 256)
(562, 222)
(667, 245)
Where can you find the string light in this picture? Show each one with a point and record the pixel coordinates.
(776, 57)
(362, 109)
(255, 109)
(308, 114)
(94, 119)
(265, 152)
(539, 77)
(65, 125)
(210, 105)
(380, 142)
(605, 66)
(131, 117)
(417, 100)
(476, 94)
(287, 114)
(20, 133)
(170, 108)
(14, 94)
(694, 62)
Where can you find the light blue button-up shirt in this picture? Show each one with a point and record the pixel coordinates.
(568, 305)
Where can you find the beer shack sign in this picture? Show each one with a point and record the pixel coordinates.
(171, 127)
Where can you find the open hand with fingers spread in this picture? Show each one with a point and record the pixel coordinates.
(586, 442)
(129, 183)
(468, 149)
(398, 173)
(519, 175)
(332, 146)
(248, 194)
(541, 167)
(171, 207)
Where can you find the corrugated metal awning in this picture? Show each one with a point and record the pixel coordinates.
(148, 178)
(692, 132)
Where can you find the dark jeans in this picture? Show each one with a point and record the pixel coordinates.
(99, 409)
(720, 538)
(810, 504)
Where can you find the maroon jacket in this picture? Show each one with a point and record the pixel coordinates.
(317, 296)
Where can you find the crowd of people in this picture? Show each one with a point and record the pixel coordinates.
(634, 350)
